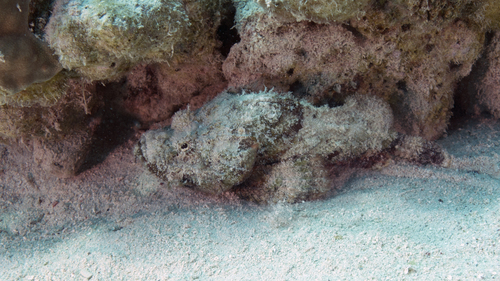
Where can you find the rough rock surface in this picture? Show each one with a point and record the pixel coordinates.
(155, 92)
(62, 157)
(410, 61)
(73, 112)
(104, 39)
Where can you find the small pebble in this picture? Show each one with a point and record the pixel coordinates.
(85, 274)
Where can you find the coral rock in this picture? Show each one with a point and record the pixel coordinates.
(104, 39)
(317, 11)
(396, 53)
(155, 92)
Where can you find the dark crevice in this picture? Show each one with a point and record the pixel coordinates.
(402, 86)
(227, 33)
(187, 181)
(488, 37)
(466, 90)
(405, 27)
(357, 35)
(334, 103)
(115, 128)
(39, 15)
(379, 4)
(454, 66)
(331, 102)
(298, 90)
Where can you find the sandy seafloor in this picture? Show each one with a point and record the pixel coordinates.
(116, 222)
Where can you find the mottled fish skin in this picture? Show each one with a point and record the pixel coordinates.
(213, 150)
(219, 146)
(24, 59)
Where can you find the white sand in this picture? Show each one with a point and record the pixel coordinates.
(115, 222)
